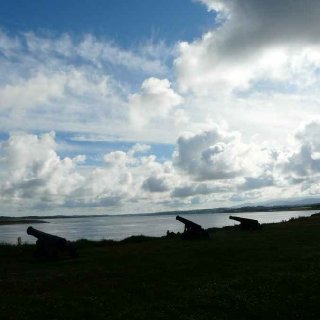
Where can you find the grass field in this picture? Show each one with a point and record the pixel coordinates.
(268, 274)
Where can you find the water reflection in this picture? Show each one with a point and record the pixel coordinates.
(120, 227)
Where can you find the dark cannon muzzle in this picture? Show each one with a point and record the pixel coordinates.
(49, 246)
(246, 223)
(188, 223)
(46, 237)
(192, 230)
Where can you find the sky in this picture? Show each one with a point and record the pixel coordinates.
(112, 107)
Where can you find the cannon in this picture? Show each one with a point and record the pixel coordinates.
(247, 224)
(50, 246)
(192, 230)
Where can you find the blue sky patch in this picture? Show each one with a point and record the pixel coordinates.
(95, 150)
(125, 21)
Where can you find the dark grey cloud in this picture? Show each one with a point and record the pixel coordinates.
(254, 24)
(254, 44)
(155, 184)
(302, 162)
(204, 155)
(305, 161)
(198, 189)
(104, 202)
(245, 196)
(217, 154)
(257, 182)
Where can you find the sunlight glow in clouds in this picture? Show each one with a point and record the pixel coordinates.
(239, 106)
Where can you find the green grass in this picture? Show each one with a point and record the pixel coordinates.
(268, 274)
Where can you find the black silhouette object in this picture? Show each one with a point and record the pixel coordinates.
(192, 230)
(49, 246)
(247, 224)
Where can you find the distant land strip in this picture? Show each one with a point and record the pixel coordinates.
(35, 219)
(6, 221)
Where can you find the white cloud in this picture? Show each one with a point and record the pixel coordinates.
(216, 5)
(91, 49)
(256, 71)
(192, 189)
(208, 167)
(32, 172)
(258, 41)
(32, 92)
(8, 45)
(53, 88)
(304, 159)
(246, 196)
(262, 181)
(155, 101)
(139, 148)
(155, 184)
(67, 100)
(33, 168)
(62, 84)
(218, 154)
(309, 133)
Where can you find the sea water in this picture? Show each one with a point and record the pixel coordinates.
(120, 227)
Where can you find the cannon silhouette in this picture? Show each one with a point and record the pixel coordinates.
(192, 230)
(247, 224)
(50, 246)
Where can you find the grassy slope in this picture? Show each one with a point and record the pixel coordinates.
(272, 274)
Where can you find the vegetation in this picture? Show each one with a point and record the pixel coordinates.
(268, 274)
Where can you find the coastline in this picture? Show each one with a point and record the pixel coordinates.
(234, 275)
(231, 210)
(4, 222)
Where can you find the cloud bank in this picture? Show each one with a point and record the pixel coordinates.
(214, 165)
(239, 107)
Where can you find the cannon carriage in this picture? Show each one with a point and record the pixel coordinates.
(49, 246)
(192, 230)
(247, 224)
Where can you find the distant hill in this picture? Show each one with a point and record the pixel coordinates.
(286, 202)
(268, 206)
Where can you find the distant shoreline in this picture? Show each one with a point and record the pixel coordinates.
(246, 209)
(10, 221)
(143, 275)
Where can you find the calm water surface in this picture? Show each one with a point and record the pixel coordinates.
(120, 227)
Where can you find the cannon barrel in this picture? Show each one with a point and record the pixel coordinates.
(243, 219)
(49, 246)
(192, 230)
(188, 222)
(46, 237)
(247, 224)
